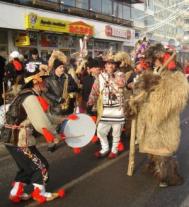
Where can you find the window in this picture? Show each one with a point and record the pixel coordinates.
(118, 10)
(96, 5)
(68, 2)
(126, 12)
(107, 7)
(83, 4)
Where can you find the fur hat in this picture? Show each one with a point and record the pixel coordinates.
(123, 58)
(60, 55)
(94, 63)
(108, 57)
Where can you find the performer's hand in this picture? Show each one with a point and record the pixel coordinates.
(57, 139)
(89, 110)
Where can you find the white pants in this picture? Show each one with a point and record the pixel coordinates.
(102, 133)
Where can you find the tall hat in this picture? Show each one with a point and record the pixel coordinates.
(108, 56)
(123, 58)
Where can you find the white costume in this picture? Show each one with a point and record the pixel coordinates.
(112, 115)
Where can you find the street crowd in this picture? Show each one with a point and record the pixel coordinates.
(112, 88)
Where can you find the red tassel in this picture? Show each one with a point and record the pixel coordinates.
(36, 196)
(76, 150)
(120, 147)
(172, 64)
(94, 139)
(72, 117)
(48, 136)
(17, 65)
(61, 193)
(43, 103)
(94, 118)
(63, 136)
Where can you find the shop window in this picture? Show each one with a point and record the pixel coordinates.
(33, 38)
(49, 40)
(3, 37)
(107, 7)
(96, 5)
(83, 4)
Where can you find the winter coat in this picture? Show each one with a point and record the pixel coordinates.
(158, 120)
(54, 90)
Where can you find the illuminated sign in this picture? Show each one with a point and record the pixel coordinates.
(22, 40)
(117, 32)
(33, 21)
(81, 28)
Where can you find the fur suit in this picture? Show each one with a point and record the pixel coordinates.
(160, 101)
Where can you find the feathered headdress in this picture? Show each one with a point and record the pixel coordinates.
(123, 58)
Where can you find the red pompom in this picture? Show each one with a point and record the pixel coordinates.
(120, 147)
(36, 196)
(61, 193)
(48, 136)
(76, 150)
(43, 103)
(15, 199)
(94, 139)
(94, 118)
(72, 117)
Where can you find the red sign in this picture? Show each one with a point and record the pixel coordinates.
(117, 32)
(81, 28)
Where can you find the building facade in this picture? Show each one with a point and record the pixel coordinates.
(50, 24)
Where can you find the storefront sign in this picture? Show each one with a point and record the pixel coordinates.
(33, 21)
(81, 28)
(117, 32)
(22, 39)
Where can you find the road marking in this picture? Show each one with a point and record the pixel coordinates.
(90, 173)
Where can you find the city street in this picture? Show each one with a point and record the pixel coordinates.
(104, 183)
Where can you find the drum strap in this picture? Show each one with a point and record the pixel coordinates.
(65, 89)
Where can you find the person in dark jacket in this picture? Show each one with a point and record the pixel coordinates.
(58, 86)
(94, 70)
(32, 66)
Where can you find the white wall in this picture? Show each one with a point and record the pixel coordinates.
(13, 17)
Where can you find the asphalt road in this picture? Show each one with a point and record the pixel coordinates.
(102, 183)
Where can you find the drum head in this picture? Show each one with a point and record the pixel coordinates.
(79, 132)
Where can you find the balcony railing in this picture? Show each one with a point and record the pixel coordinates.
(60, 7)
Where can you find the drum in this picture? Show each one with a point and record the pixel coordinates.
(78, 133)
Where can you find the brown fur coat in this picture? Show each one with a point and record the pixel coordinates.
(158, 120)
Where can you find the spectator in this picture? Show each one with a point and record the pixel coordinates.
(58, 86)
